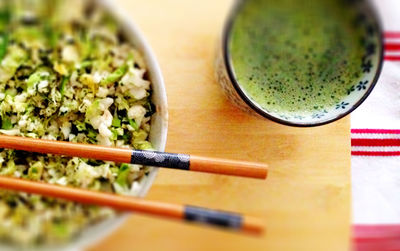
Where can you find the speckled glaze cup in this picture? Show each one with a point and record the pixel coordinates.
(369, 70)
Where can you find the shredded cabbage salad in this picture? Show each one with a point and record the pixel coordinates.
(67, 73)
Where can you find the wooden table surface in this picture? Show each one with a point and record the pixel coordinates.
(305, 202)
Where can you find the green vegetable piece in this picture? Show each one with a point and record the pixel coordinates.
(116, 122)
(140, 135)
(116, 75)
(122, 178)
(92, 134)
(51, 35)
(114, 135)
(5, 16)
(64, 82)
(35, 78)
(131, 60)
(14, 58)
(93, 110)
(133, 124)
(143, 145)
(80, 125)
(60, 229)
(126, 137)
(86, 64)
(87, 48)
(3, 45)
(11, 92)
(114, 170)
(35, 171)
(6, 124)
(9, 169)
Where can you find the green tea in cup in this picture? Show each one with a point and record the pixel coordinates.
(302, 62)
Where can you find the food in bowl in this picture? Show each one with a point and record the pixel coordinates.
(67, 73)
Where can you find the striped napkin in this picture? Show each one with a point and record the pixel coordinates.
(375, 145)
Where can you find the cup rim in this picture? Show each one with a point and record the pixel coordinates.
(230, 72)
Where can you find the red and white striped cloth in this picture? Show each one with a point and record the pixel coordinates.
(375, 142)
(392, 46)
(375, 149)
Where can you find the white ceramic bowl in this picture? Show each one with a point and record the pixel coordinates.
(158, 133)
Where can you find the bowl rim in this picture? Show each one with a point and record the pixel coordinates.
(230, 72)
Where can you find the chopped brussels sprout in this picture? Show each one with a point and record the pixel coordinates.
(67, 74)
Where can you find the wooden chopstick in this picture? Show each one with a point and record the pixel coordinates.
(150, 158)
(227, 220)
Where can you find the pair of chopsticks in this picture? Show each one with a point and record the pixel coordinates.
(149, 158)
(211, 217)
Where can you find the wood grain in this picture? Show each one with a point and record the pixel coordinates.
(305, 202)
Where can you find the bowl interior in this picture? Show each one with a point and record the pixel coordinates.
(369, 71)
(159, 123)
(158, 134)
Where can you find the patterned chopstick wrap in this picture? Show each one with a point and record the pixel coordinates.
(161, 159)
(213, 217)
